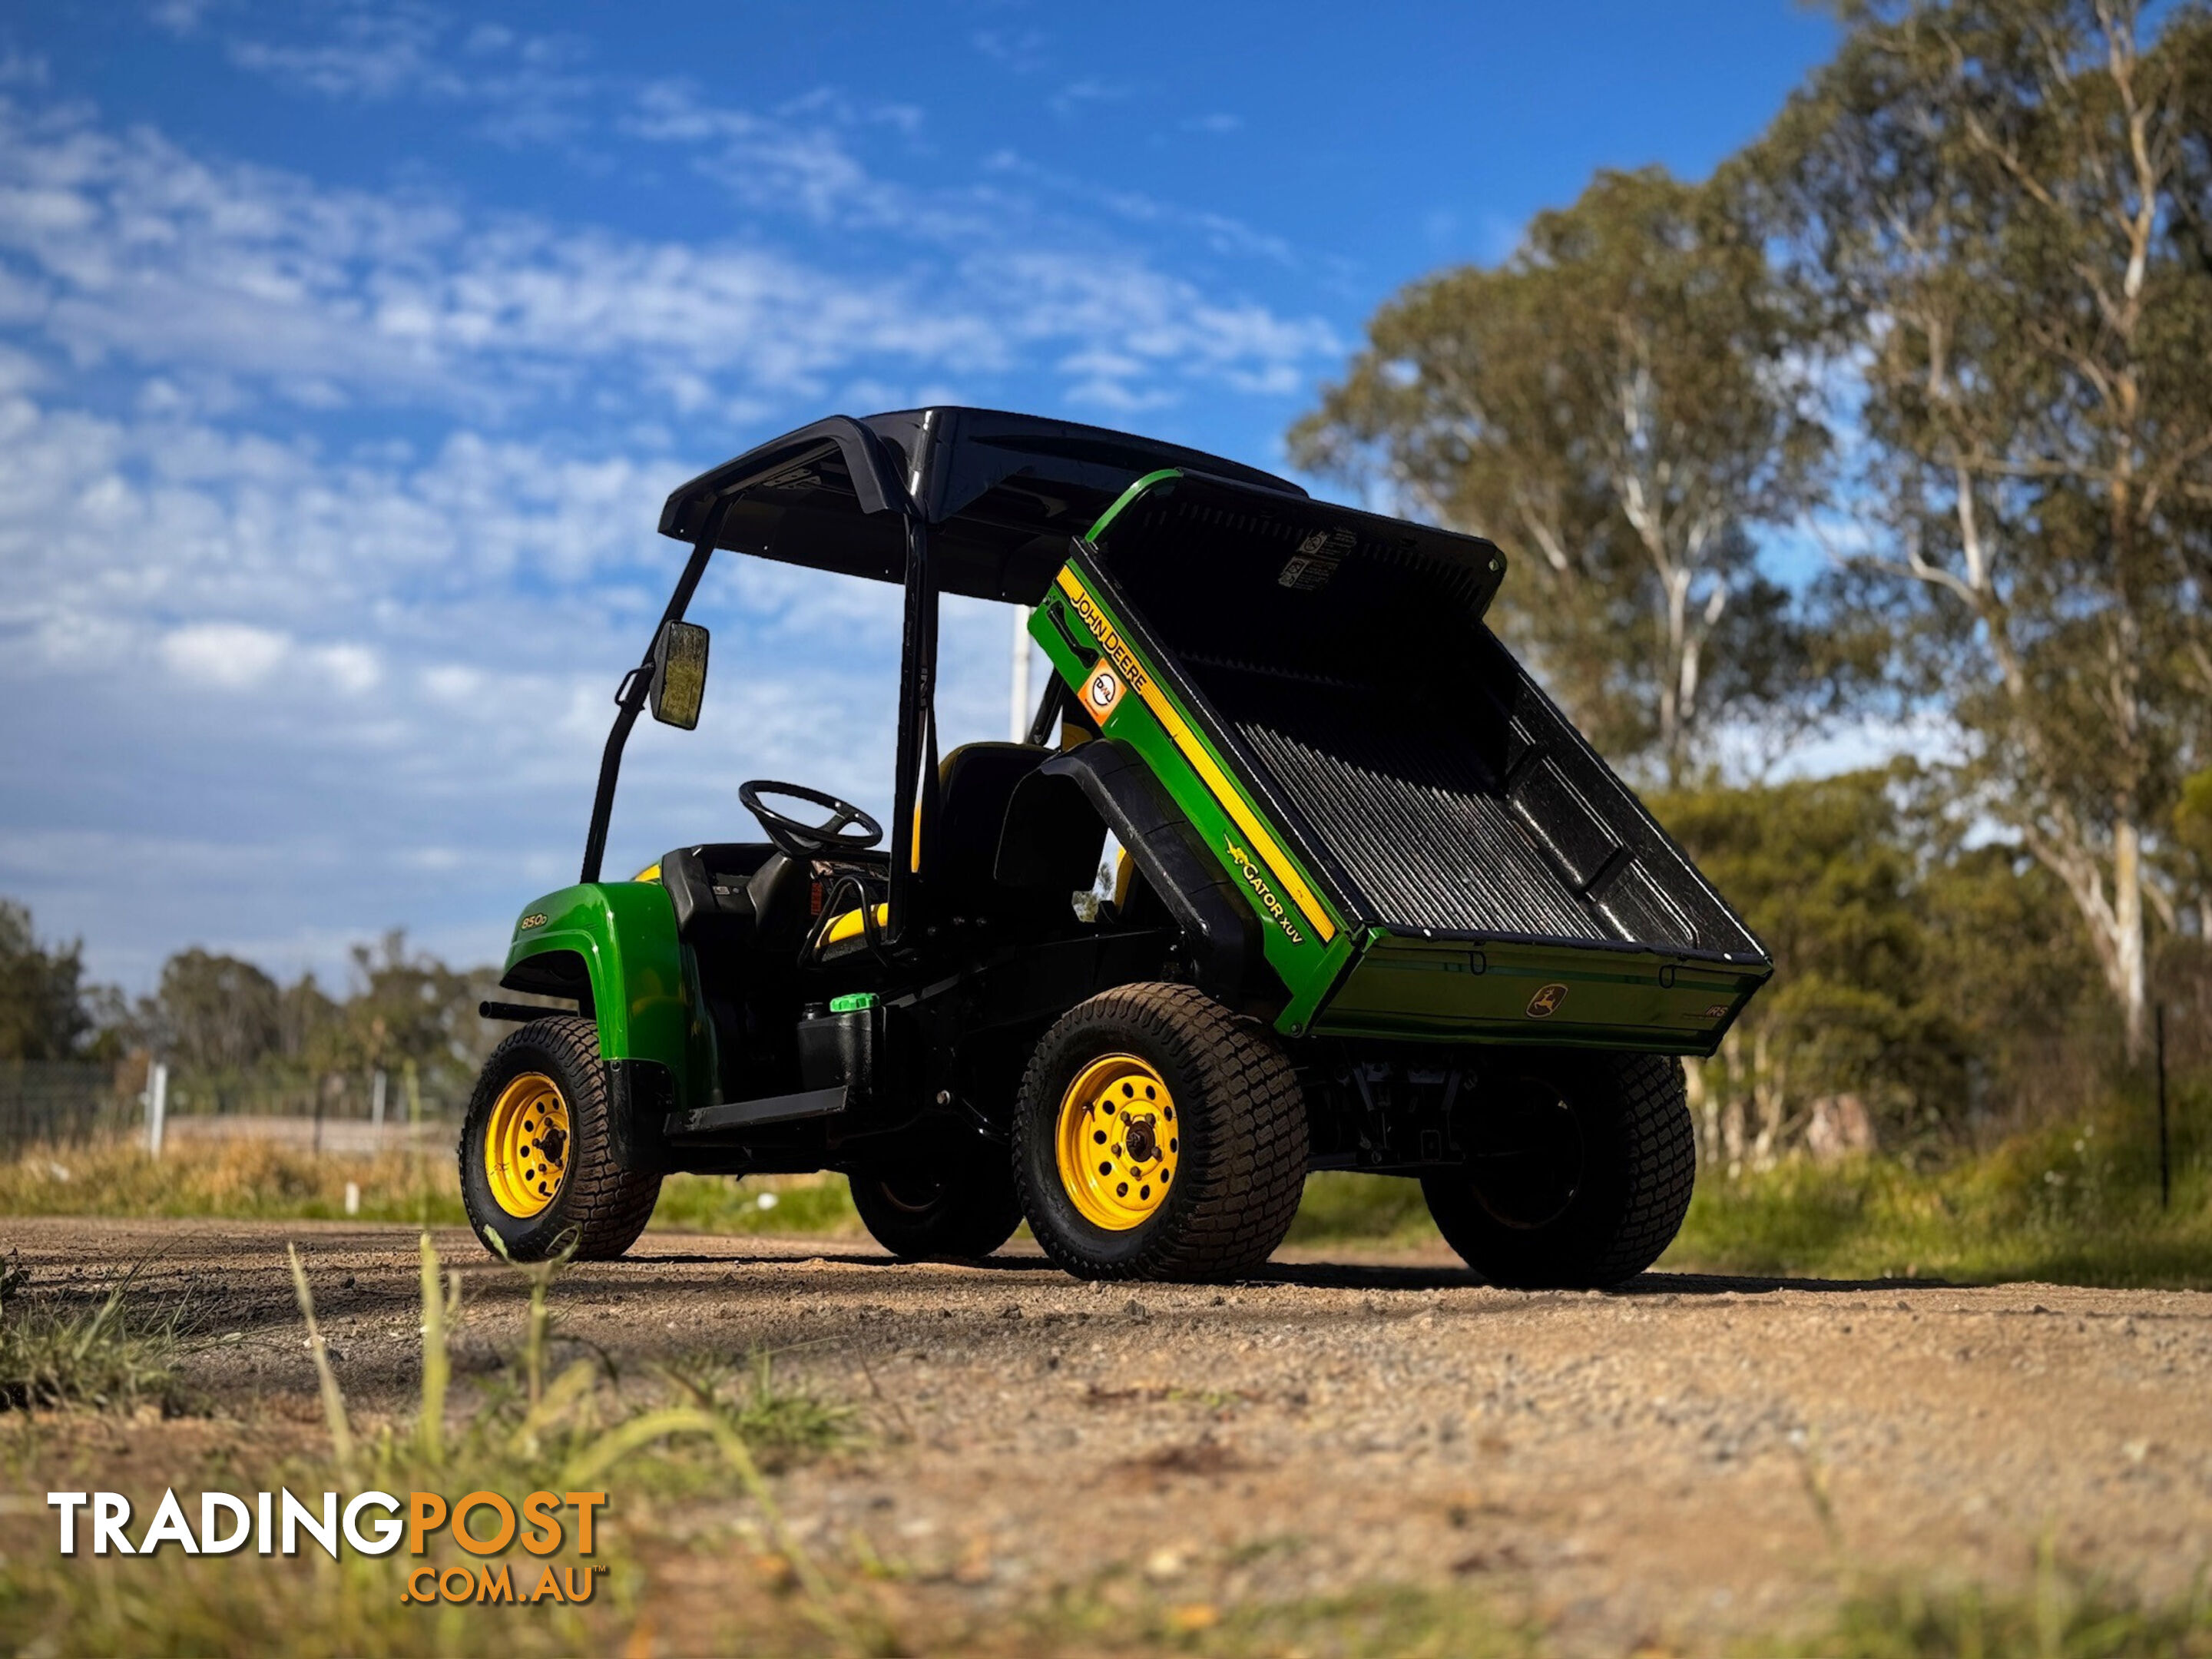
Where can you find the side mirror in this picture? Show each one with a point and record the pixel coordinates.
(679, 673)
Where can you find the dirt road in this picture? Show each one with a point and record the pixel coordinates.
(1679, 1464)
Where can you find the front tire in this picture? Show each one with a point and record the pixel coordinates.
(1578, 1174)
(538, 1165)
(1159, 1136)
(962, 1207)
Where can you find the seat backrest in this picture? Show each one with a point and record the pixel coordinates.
(708, 884)
(782, 896)
(975, 783)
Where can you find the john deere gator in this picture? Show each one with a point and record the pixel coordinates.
(1298, 869)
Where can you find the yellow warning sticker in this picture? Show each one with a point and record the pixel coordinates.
(1102, 692)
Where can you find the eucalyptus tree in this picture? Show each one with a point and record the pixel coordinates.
(1999, 204)
(42, 1011)
(1619, 400)
(217, 1013)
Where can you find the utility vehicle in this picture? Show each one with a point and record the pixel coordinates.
(1375, 904)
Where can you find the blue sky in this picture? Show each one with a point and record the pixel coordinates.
(347, 352)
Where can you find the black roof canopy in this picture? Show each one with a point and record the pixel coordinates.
(1004, 493)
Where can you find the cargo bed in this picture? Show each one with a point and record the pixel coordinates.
(1489, 873)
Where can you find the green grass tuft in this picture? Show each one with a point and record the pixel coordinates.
(2064, 1615)
(115, 1356)
(780, 1424)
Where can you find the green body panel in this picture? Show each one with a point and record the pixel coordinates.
(1304, 940)
(644, 979)
(1546, 993)
(1374, 983)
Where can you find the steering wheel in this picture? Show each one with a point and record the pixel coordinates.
(795, 840)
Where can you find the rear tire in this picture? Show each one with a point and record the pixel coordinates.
(1226, 1122)
(1579, 1172)
(964, 1207)
(601, 1206)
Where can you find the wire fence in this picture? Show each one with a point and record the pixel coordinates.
(66, 1103)
(62, 1103)
(388, 1097)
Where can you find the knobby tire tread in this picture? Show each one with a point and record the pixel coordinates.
(1656, 1167)
(1663, 1166)
(1254, 1170)
(604, 1204)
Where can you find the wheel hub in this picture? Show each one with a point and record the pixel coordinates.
(1525, 1158)
(1117, 1141)
(527, 1140)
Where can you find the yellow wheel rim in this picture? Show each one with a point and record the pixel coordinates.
(526, 1145)
(1117, 1142)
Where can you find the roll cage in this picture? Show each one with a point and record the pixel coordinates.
(976, 503)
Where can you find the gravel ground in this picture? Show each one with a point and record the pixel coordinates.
(1681, 1463)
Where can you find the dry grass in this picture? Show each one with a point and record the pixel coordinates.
(2073, 1203)
(260, 1180)
(248, 1179)
(256, 1180)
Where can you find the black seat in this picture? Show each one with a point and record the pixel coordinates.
(710, 887)
(975, 784)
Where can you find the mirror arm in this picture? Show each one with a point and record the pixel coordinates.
(630, 695)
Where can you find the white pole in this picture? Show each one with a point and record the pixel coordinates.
(157, 1107)
(376, 1104)
(1017, 714)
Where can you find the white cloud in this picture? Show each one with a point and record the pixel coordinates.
(377, 54)
(351, 669)
(179, 16)
(1023, 50)
(235, 656)
(18, 68)
(125, 250)
(801, 158)
(526, 88)
(278, 677)
(1071, 100)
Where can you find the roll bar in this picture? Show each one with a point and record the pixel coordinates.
(878, 488)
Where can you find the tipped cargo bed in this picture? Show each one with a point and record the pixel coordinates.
(1462, 829)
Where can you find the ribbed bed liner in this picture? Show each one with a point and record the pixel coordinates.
(1422, 831)
(1440, 784)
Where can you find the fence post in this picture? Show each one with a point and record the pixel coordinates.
(413, 1086)
(2164, 1163)
(157, 1106)
(376, 1103)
